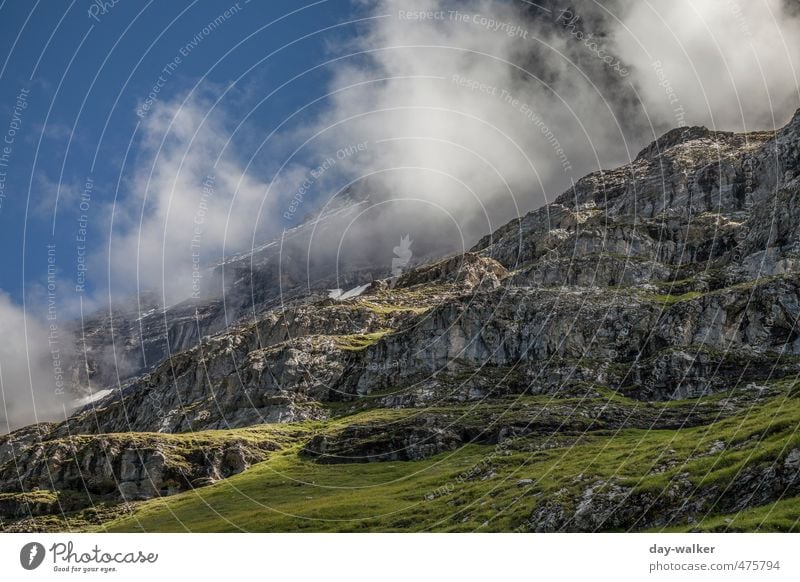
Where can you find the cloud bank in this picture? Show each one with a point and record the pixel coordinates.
(731, 64)
(33, 377)
(478, 111)
(458, 116)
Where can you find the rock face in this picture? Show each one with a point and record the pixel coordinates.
(124, 466)
(676, 276)
(134, 338)
(608, 506)
(432, 431)
(665, 261)
(677, 272)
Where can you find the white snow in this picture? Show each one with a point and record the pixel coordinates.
(354, 292)
(91, 398)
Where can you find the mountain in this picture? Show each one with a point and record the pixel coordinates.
(133, 337)
(624, 358)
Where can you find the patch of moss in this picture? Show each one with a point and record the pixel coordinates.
(359, 342)
(669, 300)
(38, 496)
(389, 308)
(780, 516)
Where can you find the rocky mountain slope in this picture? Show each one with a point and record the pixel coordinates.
(651, 309)
(134, 337)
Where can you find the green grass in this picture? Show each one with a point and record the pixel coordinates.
(669, 300)
(359, 342)
(390, 308)
(39, 496)
(781, 516)
(291, 492)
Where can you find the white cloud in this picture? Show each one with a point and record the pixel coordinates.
(190, 198)
(464, 127)
(732, 64)
(33, 375)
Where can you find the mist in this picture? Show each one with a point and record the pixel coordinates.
(452, 118)
(190, 197)
(33, 367)
(730, 65)
(477, 112)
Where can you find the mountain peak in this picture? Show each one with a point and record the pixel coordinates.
(795, 122)
(677, 136)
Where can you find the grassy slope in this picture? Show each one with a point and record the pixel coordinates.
(781, 516)
(476, 487)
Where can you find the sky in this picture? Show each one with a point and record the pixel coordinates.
(143, 140)
(86, 76)
(124, 113)
(83, 87)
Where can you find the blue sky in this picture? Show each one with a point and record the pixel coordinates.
(85, 73)
(117, 112)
